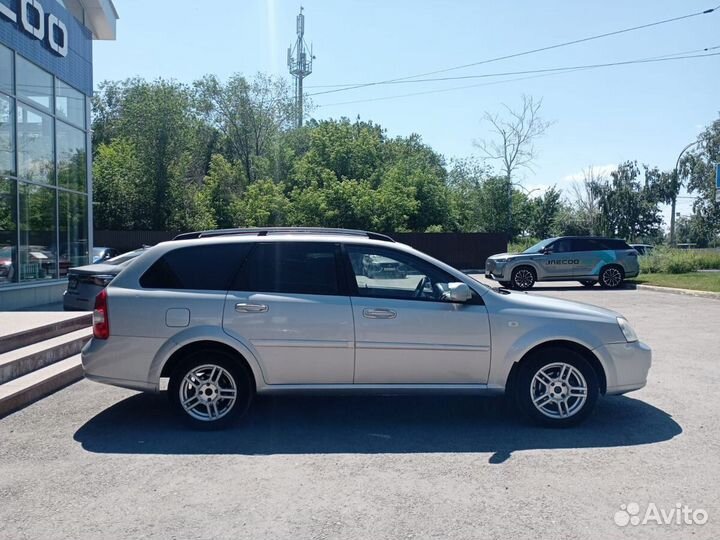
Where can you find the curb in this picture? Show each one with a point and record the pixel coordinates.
(685, 292)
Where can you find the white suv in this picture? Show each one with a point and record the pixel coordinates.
(215, 317)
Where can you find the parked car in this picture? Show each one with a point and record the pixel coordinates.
(103, 254)
(215, 317)
(377, 267)
(85, 282)
(586, 259)
(643, 249)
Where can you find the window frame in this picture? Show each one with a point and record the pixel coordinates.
(354, 290)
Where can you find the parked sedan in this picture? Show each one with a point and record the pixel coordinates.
(85, 282)
(103, 254)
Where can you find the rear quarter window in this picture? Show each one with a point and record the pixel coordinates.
(206, 267)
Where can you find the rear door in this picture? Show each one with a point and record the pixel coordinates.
(591, 254)
(404, 332)
(287, 305)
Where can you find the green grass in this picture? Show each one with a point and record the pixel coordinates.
(698, 281)
(664, 260)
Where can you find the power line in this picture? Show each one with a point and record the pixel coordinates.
(543, 73)
(346, 87)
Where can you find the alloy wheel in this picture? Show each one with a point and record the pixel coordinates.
(208, 392)
(558, 390)
(612, 277)
(524, 278)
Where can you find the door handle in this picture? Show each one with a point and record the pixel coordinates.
(379, 313)
(251, 308)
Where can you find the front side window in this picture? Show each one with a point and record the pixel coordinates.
(388, 273)
(562, 246)
(200, 268)
(291, 268)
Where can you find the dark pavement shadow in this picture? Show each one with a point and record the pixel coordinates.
(145, 424)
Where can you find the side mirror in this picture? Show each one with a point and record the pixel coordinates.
(457, 292)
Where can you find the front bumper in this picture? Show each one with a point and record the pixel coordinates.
(626, 365)
(495, 270)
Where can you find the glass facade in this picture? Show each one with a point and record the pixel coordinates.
(44, 225)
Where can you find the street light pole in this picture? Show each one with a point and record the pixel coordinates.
(676, 178)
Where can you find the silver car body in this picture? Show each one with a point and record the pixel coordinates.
(580, 258)
(310, 342)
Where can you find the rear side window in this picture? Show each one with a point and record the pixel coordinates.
(196, 267)
(588, 244)
(614, 243)
(292, 267)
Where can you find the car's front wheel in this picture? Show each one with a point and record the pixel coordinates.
(210, 389)
(557, 387)
(523, 278)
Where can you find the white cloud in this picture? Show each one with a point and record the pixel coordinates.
(598, 170)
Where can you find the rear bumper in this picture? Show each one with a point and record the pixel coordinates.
(121, 361)
(75, 302)
(626, 365)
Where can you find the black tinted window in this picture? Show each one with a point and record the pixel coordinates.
(196, 267)
(563, 245)
(587, 244)
(293, 267)
(614, 243)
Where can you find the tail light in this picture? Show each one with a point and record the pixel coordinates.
(101, 323)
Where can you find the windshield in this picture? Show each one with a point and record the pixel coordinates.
(124, 257)
(537, 248)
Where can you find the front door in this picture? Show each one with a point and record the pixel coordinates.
(404, 332)
(560, 260)
(286, 305)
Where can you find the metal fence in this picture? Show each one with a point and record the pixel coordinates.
(461, 250)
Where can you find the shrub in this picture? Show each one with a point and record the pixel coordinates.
(679, 261)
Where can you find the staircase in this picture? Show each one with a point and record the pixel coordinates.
(40, 357)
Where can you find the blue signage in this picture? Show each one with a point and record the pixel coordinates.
(48, 35)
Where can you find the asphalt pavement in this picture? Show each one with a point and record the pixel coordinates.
(92, 461)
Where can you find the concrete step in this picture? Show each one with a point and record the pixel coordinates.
(14, 364)
(19, 330)
(24, 390)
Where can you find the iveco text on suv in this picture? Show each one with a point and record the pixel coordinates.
(588, 260)
(213, 318)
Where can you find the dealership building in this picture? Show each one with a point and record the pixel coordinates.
(45, 159)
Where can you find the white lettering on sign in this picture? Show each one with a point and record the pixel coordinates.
(41, 26)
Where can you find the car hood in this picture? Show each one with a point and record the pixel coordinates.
(547, 305)
(506, 255)
(97, 269)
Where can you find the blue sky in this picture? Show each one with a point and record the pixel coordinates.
(601, 117)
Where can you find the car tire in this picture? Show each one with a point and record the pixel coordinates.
(588, 282)
(556, 387)
(523, 278)
(506, 284)
(211, 383)
(612, 277)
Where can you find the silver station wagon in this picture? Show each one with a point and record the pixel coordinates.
(215, 317)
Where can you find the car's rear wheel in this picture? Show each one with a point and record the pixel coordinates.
(557, 387)
(210, 389)
(588, 282)
(612, 277)
(523, 278)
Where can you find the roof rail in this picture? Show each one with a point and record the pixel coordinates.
(265, 231)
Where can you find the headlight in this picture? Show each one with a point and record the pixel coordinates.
(500, 260)
(627, 330)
